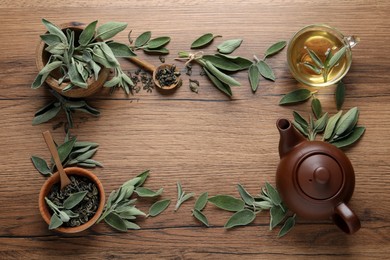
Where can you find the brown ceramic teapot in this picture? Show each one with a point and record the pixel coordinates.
(315, 179)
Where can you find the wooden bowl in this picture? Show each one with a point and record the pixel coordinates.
(42, 58)
(55, 178)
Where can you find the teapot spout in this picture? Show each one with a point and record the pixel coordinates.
(289, 137)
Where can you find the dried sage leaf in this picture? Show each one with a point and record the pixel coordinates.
(201, 217)
(158, 207)
(41, 165)
(340, 95)
(229, 46)
(109, 30)
(254, 76)
(350, 139)
(316, 107)
(275, 48)
(287, 226)
(87, 34)
(201, 201)
(158, 42)
(240, 218)
(74, 199)
(227, 202)
(203, 40)
(147, 193)
(265, 70)
(194, 85)
(53, 29)
(142, 39)
(295, 96)
(246, 197)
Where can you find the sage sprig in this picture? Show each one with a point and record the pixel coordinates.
(69, 106)
(339, 130)
(182, 196)
(320, 67)
(261, 67)
(81, 59)
(71, 152)
(145, 42)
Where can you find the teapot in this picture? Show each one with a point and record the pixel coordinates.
(315, 179)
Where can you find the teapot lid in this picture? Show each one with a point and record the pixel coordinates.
(319, 176)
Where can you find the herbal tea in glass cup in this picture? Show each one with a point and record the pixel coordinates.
(319, 55)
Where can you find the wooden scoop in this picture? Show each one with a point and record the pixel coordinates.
(151, 68)
(64, 180)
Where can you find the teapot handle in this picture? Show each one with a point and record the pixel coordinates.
(346, 219)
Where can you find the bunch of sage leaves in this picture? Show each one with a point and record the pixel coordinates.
(63, 213)
(145, 42)
(68, 105)
(120, 210)
(247, 207)
(80, 60)
(339, 130)
(71, 152)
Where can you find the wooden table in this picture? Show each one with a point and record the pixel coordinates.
(206, 141)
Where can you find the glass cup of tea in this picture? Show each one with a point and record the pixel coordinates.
(319, 55)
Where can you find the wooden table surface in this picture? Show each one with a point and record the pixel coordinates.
(206, 141)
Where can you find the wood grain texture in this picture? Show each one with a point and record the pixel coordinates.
(205, 140)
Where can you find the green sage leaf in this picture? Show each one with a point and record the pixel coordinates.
(312, 68)
(320, 124)
(203, 40)
(158, 42)
(201, 217)
(158, 207)
(227, 202)
(277, 215)
(121, 50)
(46, 116)
(65, 149)
(254, 76)
(70, 213)
(55, 222)
(219, 84)
(39, 80)
(265, 70)
(340, 95)
(142, 178)
(336, 57)
(246, 197)
(54, 29)
(41, 165)
(222, 63)
(161, 50)
(301, 129)
(116, 222)
(74, 199)
(350, 139)
(221, 76)
(287, 226)
(109, 30)
(201, 201)
(86, 155)
(273, 194)
(99, 57)
(50, 39)
(316, 107)
(87, 34)
(315, 58)
(330, 126)
(264, 205)
(240, 61)
(300, 120)
(240, 218)
(295, 96)
(229, 46)
(147, 193)
(131, 225)
(142, 39)
(275, 48)
(346, 122)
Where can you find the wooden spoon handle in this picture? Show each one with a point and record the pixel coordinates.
(146, 65)
(53, 150)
